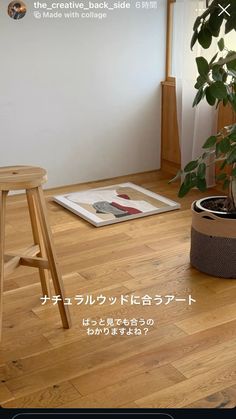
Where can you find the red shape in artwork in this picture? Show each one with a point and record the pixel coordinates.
(130, 210)
(124, 196)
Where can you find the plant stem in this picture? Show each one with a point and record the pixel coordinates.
(226, 60)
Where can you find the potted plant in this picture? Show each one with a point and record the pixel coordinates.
(213, 234)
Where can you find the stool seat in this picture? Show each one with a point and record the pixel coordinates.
(21, 177)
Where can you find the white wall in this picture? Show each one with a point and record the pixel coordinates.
(82, 98)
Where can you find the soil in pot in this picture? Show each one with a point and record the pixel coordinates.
(216, 205)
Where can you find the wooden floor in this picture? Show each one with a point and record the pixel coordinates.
(187, 359)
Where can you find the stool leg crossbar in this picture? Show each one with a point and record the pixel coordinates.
(40, 255)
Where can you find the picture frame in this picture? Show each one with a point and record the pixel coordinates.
(115, 203)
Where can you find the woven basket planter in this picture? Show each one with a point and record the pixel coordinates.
(213, 244)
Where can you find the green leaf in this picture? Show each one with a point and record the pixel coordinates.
(221, 44)
(197, 23)
(226, 184)
(205, 155)
(214, 23)
(213, 59)
(193, 178)
(192, 165)
(216, 74)
(210, 142)
(218, 152)
(234, 172)
(231, 65)
(201, 184)
(218, 90)
(201, 171)
(224, 75)
(184, 189)
(210, 99)
(222, 166)
(231, 23)
(188, 183)
(224, 145)
(232, 137)
(232, 156)
(194, 39)
(205, 37)
(221, 176)
(203, 66)
(199, 96)
(233, 129)
(201, 80)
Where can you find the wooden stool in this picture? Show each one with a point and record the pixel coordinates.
(42, 254)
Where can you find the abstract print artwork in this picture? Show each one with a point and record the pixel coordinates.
(115, 203)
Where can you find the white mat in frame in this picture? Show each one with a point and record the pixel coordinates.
(115, 203)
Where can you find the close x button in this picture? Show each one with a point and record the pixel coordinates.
(224, 9)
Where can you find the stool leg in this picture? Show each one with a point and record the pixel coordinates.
(3, 196)
(51, 255)
(38, 239)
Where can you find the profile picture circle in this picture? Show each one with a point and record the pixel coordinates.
(17, 9)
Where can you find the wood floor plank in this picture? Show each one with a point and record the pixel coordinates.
(128, 390)
(211, 318)
(207, 359)
(191, 390)
(119, 370)
(221, 400)
(161, 335)
(33, 372)
(52, 396)
(5, 394)
(24, 345)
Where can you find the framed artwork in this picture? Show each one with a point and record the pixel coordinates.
(115, 203)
